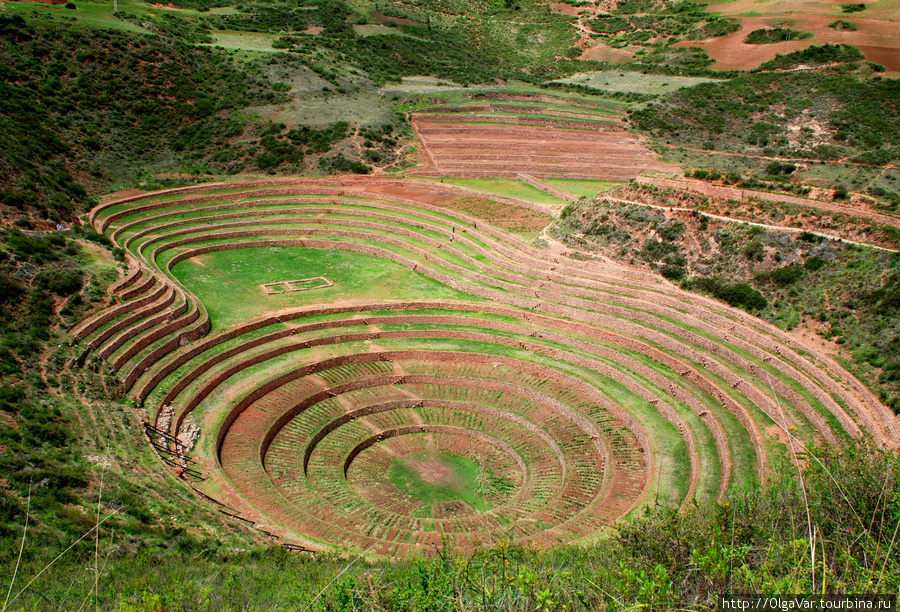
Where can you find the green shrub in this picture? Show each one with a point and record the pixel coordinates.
(767, 36)
(339, 163)
(673, 272)
(10, 290)
(11, 398)
(715, 28)
(319, 141)
(738, 294)
(630, 7)
(754, 250)
(671, 230)
(610, 24)
(806, 236)
(37, 249)
(783, 277)
(843, 26)
(89, 234)
(853, 8)
(60, 282)
(815, 263)
(777, 168)
(656, 250)
(815, 55)
(886, 299)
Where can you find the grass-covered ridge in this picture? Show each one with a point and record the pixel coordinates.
(70, 446)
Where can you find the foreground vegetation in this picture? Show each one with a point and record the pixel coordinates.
(835, 533)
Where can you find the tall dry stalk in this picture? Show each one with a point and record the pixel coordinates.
(21, 548)
(97, 546)
(60, 555)
(812, 539)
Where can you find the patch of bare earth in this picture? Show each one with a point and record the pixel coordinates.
(433, 471)
(604, 53)
(807, 332)
(876, 38)
(500, 214)
(121, 195)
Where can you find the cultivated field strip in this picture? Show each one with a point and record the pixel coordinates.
(591, 388)
(504, 140)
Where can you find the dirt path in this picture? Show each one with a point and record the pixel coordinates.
(825, 162)
(780, 228)
(742, 195)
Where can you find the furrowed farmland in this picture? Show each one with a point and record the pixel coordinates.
(540, 136)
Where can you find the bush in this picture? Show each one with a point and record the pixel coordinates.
(853, 8)
(783, 277)
(673, 272)
(37, 249)
(742, 295)
(656, 250)
(715, 28)
(671, 231)
(815, 55)
(843, 26)
(814, 263)
(806, 236)
(777, 168)
(10, 290)
(754, 250)
(60, 282)
(90, 235)
(339, 163)
(11, 398)
(885, 300)
(767, 36)
(739, 294)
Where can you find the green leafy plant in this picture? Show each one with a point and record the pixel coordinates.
(767, 36)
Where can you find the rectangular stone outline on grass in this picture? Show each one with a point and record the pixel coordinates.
(295, 285)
